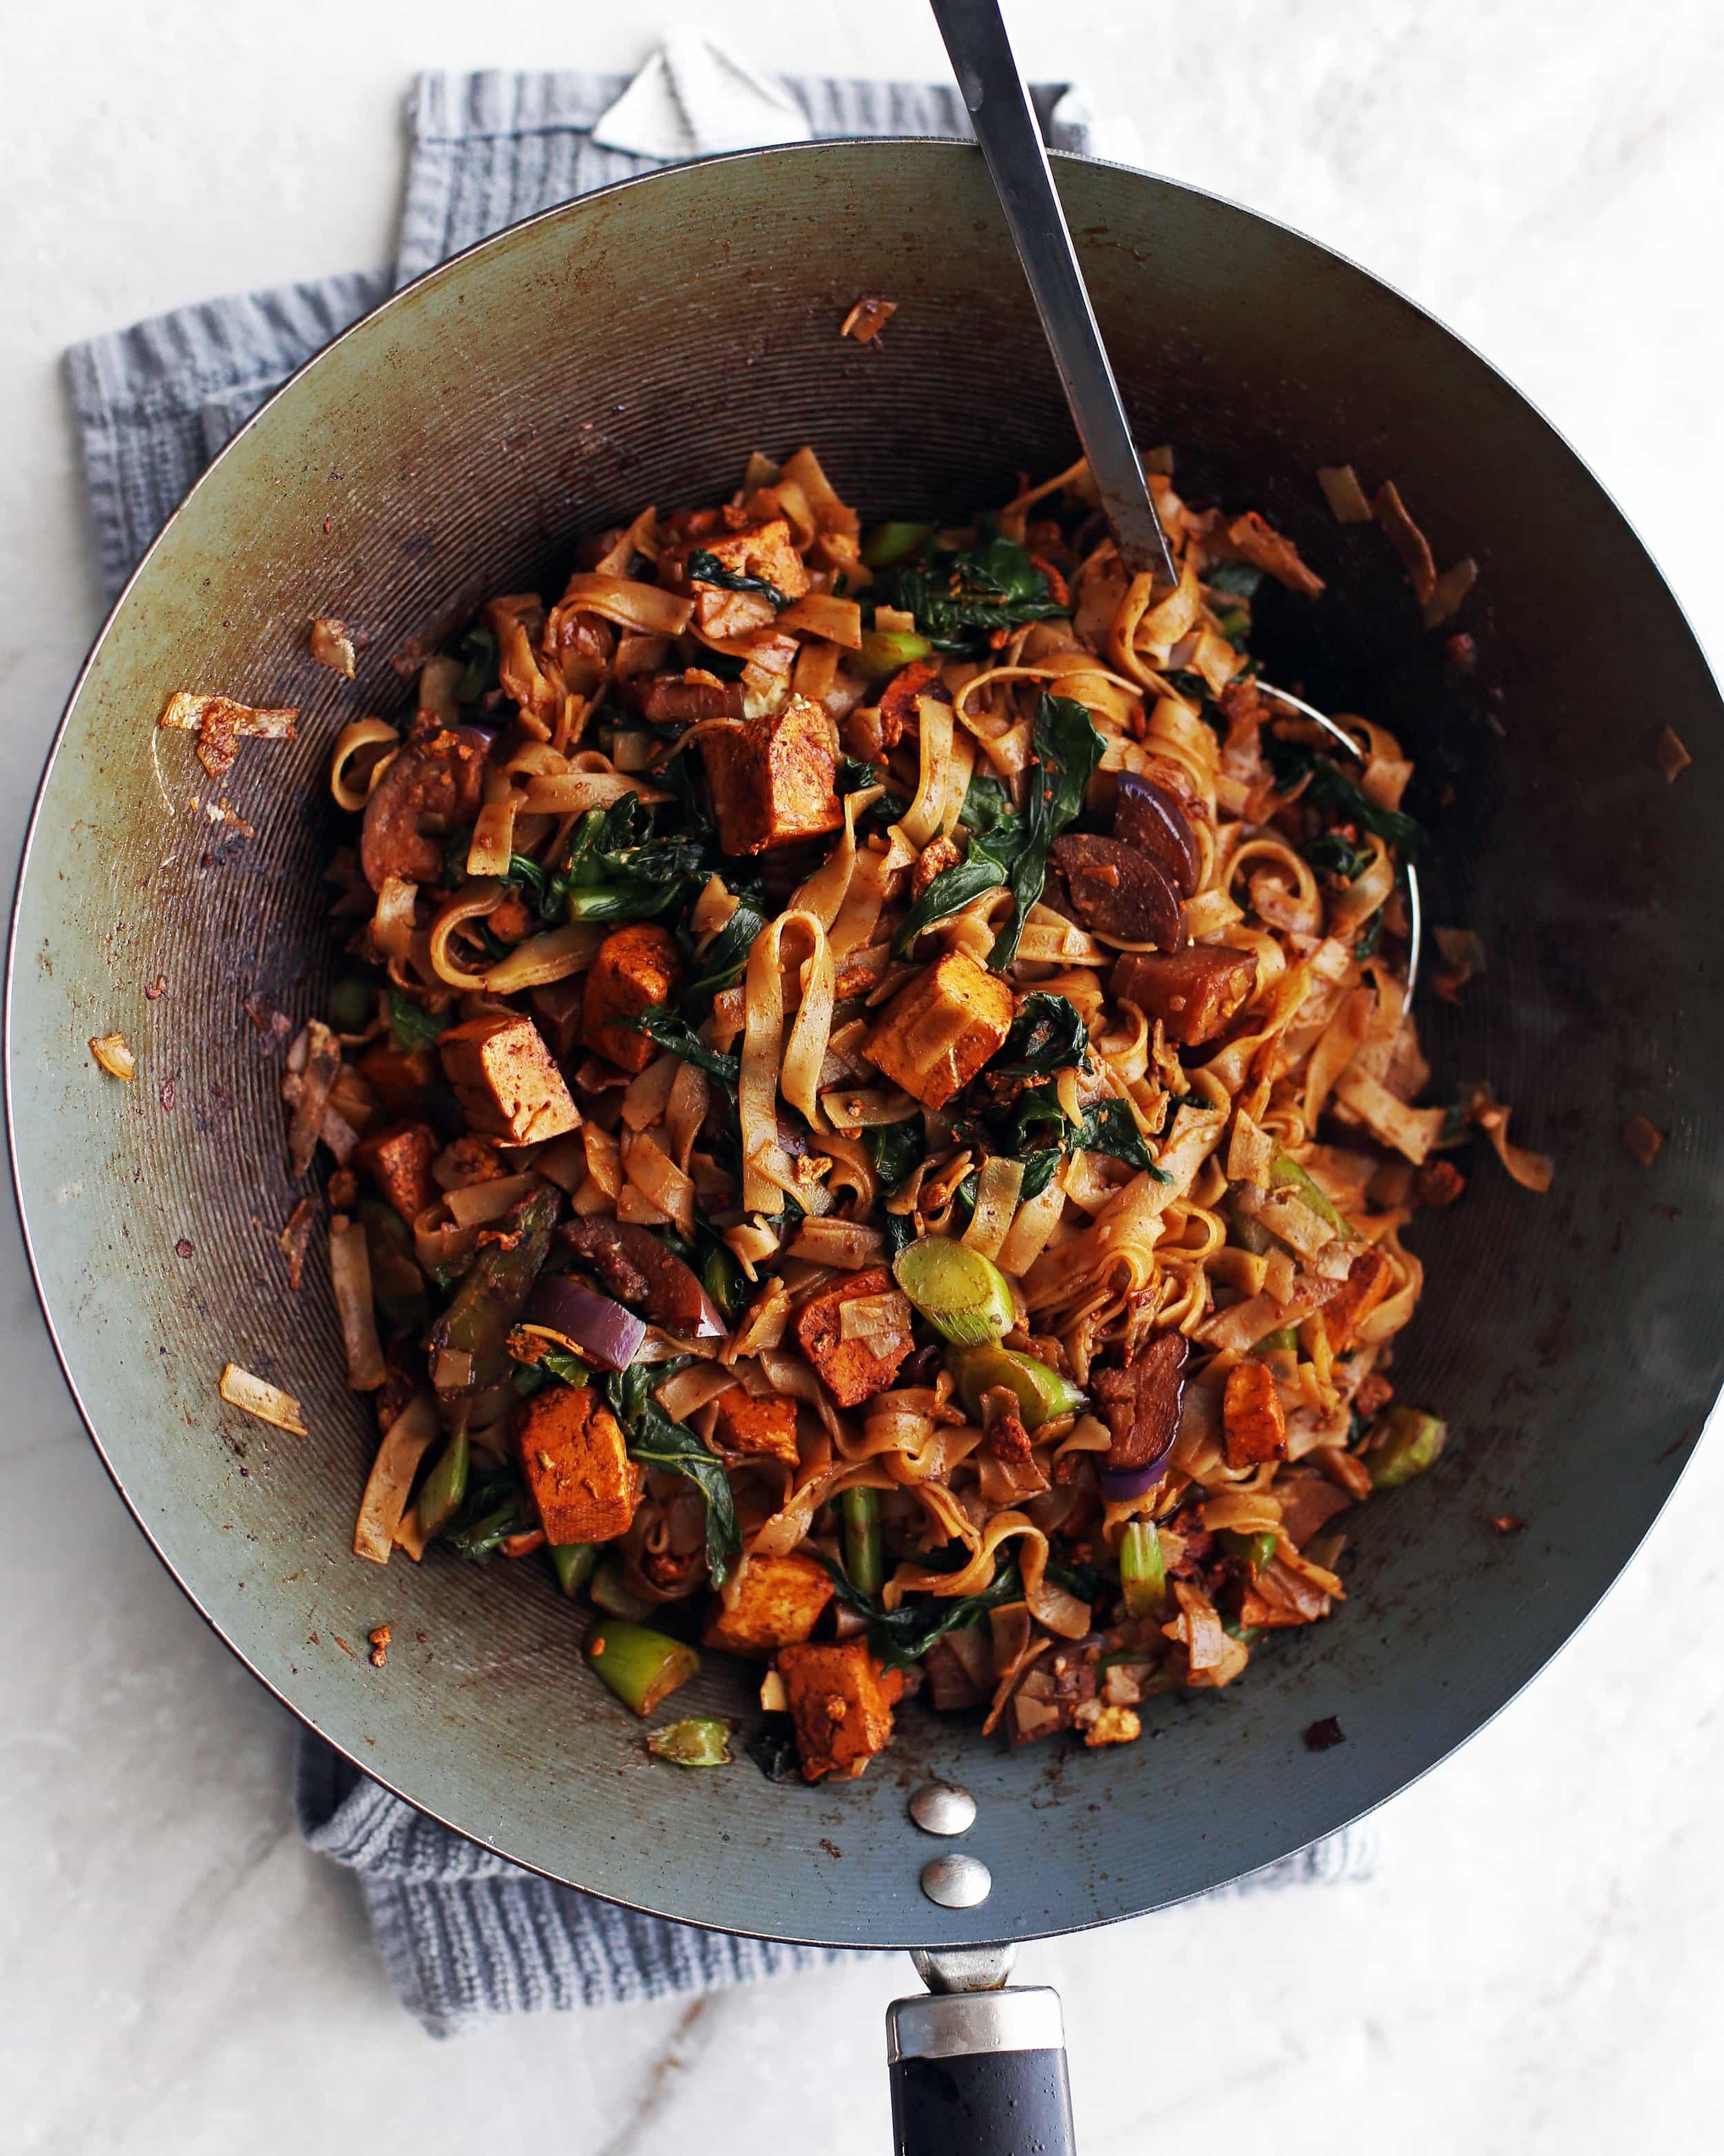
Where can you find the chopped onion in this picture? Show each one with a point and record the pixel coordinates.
(577, 1318)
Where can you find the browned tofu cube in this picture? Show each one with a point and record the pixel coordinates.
(573, 1461)
(775, 779)
(636, 968)
(747, 1425)
(1193, 992)
(766, 550)
(505, 1080)
(1253, 1426)
(840, 1705)
(937, 1032)
(777, 1604)
(851, 1370)
(1368, 1281)
(398, 1161)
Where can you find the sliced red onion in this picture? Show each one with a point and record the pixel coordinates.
(1119, 1486)
(591, 1324)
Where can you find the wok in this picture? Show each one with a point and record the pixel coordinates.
(635, 346)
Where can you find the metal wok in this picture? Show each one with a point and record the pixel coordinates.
(635, 346)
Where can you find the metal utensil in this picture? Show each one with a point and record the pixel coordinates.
(1005, 123)
(433, 455)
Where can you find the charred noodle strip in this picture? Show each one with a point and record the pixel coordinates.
(1170, 1184)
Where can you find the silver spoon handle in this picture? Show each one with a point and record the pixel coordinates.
(1005, 123)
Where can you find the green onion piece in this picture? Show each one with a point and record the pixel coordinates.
(609, 1592)
(573, 1563)
(351, 1004)
(642, 1667)
(1411, 1443)
(885, 650)
(445, 1486)
(1246, 1635)
(1256, 1550)
(704, 1740)
(865, 1562)
(964, 1296)
(894, 541)
(1286, 1174)
(1283, 1339)
(1042, 1393)
(1143, 1574)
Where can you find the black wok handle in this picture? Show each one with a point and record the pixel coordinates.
(979, 2073)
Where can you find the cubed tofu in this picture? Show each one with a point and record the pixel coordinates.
(766, 550)
(937, 1032)
(1253, 1424)
(398, 1161)
(400, 1082)
(574, 1463)
(1368, 1281)
(841, 1709)
(1194, 993)
(636, 968)
(748, 1425)
(505, 1080)
(851, 1370)
(778, 1602)
(775, 779)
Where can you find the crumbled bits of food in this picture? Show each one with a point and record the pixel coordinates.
(1642, 1138)
(1507, 1523)
(156, 990)
(332, 645)
(293, 1239)
(1325, 1735)
(220, 724)
(257, 1397)
(183, 1249)
(1672, 754)
(111, 1051)
(379, 1642)
(868, 318)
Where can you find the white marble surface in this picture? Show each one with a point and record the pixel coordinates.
(1538, 1965)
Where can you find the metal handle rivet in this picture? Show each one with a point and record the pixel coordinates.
(939, 1808)
(956, 1882)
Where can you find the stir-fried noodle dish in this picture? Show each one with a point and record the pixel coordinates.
(874, 1116)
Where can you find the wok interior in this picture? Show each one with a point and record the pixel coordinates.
(635, 348)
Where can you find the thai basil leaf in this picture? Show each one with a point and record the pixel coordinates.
(1013, 851)
(1039, 1169)
(987, 802)
(656, 1441)
(479, 648)
(493, 1509)
(1047, 1035)
(957, 597)
(1107, 1128)
(725, 957)
(1241, 579)
(1067, 754)
(853, 773)
(705, 568)
(669, 1029)
(903, 1635)
(411, 1027)
(1330, 787)
(1333, 852)
(897, 1150)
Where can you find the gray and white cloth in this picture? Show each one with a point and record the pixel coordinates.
(463, 1933)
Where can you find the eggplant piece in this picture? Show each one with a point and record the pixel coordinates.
(1119, 891)
(477, 1324)
(637, 1268)
(1141, 1405)
(1193, 992)
(1148, 817)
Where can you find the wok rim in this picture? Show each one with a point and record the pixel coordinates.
(451, 267)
